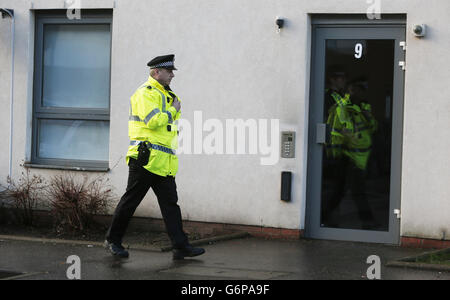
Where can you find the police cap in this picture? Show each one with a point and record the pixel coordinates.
(336, 70)
(164, 61)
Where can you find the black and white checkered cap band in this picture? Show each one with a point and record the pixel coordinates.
(163, 65)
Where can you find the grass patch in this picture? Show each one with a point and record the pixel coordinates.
(440, 257)
(435, 261)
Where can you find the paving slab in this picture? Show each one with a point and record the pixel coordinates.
(247, 258)
(212, 272)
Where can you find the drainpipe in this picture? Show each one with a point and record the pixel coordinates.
(10, 13)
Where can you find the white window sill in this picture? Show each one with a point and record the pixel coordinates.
(66, 168)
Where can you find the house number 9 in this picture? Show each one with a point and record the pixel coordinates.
(358, 50)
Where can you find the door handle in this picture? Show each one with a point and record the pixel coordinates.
(321, 133)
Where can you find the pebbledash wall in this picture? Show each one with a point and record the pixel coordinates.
(233, 64)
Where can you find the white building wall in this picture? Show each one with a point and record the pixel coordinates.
(234, 65)
(5, 85)
(426, 141)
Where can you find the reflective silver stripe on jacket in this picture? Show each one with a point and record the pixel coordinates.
(169, 114)
(134, 118)
(150, 115)
(163, 97)
(156, 147)
(153, 112)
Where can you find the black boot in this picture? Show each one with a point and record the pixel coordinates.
(187, 251)
(116, 249)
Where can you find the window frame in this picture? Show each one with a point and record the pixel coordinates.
(88, 17)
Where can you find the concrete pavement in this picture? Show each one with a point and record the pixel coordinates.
(247, 258)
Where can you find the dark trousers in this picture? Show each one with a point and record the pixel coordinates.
(139, 182)
(345, 176)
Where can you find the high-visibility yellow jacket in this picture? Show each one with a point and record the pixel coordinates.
(338, 121)
(152, 119)
(351, 130)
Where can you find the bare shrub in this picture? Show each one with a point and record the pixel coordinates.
(24, 196)
(3, 213)
(74, 202)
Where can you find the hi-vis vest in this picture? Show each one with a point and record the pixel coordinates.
(351, 131)
(151, 118)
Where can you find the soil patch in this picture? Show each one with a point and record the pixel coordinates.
(132, 237)
(7, 274)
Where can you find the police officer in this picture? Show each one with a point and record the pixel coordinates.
(348, 148)
(151, 159)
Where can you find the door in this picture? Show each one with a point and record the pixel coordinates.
(355, 130)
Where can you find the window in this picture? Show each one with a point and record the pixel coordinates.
(72, 90)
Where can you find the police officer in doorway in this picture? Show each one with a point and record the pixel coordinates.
(348, 149)
(151, 159)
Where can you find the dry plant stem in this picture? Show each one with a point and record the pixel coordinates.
(74, 202)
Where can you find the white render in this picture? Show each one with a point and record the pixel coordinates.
(234, 65)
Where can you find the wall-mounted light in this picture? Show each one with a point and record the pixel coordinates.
(6, 12)
(280, 23)
(419, 30)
